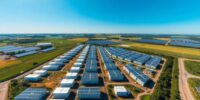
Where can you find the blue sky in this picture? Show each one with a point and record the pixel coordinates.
(100, 16)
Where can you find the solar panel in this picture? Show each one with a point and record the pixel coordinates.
(115, 75)
(136, 74)
(90, 78)
(89, 93)
(33, 94)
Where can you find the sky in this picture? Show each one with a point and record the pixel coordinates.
(100, 16)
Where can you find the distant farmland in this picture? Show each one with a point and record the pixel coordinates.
(29, 62)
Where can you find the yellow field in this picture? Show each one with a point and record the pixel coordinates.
(4, 63)
(163, 39)
(79, 39)
(180, 50)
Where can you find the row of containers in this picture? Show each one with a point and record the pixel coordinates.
(151, 62)
(115, 75)
(37, 76)
(88, 62)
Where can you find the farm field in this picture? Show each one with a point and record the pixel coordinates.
(29, 62)
(193, 67)
(194, 83)
(163, 50)
(166, 39)
(4, 63)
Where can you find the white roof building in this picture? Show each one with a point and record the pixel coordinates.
(67, 83)
(44, 44)
(61, 93)
(120, 91)
(71, 75)
(41, 72)
(75, 69)
(32, 78)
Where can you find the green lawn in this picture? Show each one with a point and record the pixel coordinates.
(194, 83)
(32, 61)
(193, 67)
(146, 97)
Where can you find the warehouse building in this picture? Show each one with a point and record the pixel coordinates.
(32, 78)
(115, 75)
(51, 67)
(90, 79)
(41, 73)
(71, 75)
(61, 93)
(33, 94)
(121, 91)
(75, 69)
(141, 60)
(136, 74)
(67, 82)
(89, 93)
(153, 63)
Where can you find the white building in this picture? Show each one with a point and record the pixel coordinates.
(78, 64)
(75, 69)
(51, 67)
(44, 44)
(32, 78)
(71, 75)
(120, 91)
(67, 83)
(42, 73)
(61, 93)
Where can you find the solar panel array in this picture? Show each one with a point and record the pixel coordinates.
(113, 73)
(132, 56)
(89, 93)
(91, 62)
(136, 74)
(33, 94)
(153, 62)
(185, 43)
(48, 49)
(100, 42)
(90, 78)
(56, 64)
(152, 41)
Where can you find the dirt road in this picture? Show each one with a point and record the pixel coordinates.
(184, 89)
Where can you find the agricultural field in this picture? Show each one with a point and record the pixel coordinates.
(193, 67)
(164, 50)
(194, 83)
(29, 62)
(166, 39)
(6, 63)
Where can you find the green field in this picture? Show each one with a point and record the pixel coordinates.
(29, 62)
(192, 67)
(194, 83)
